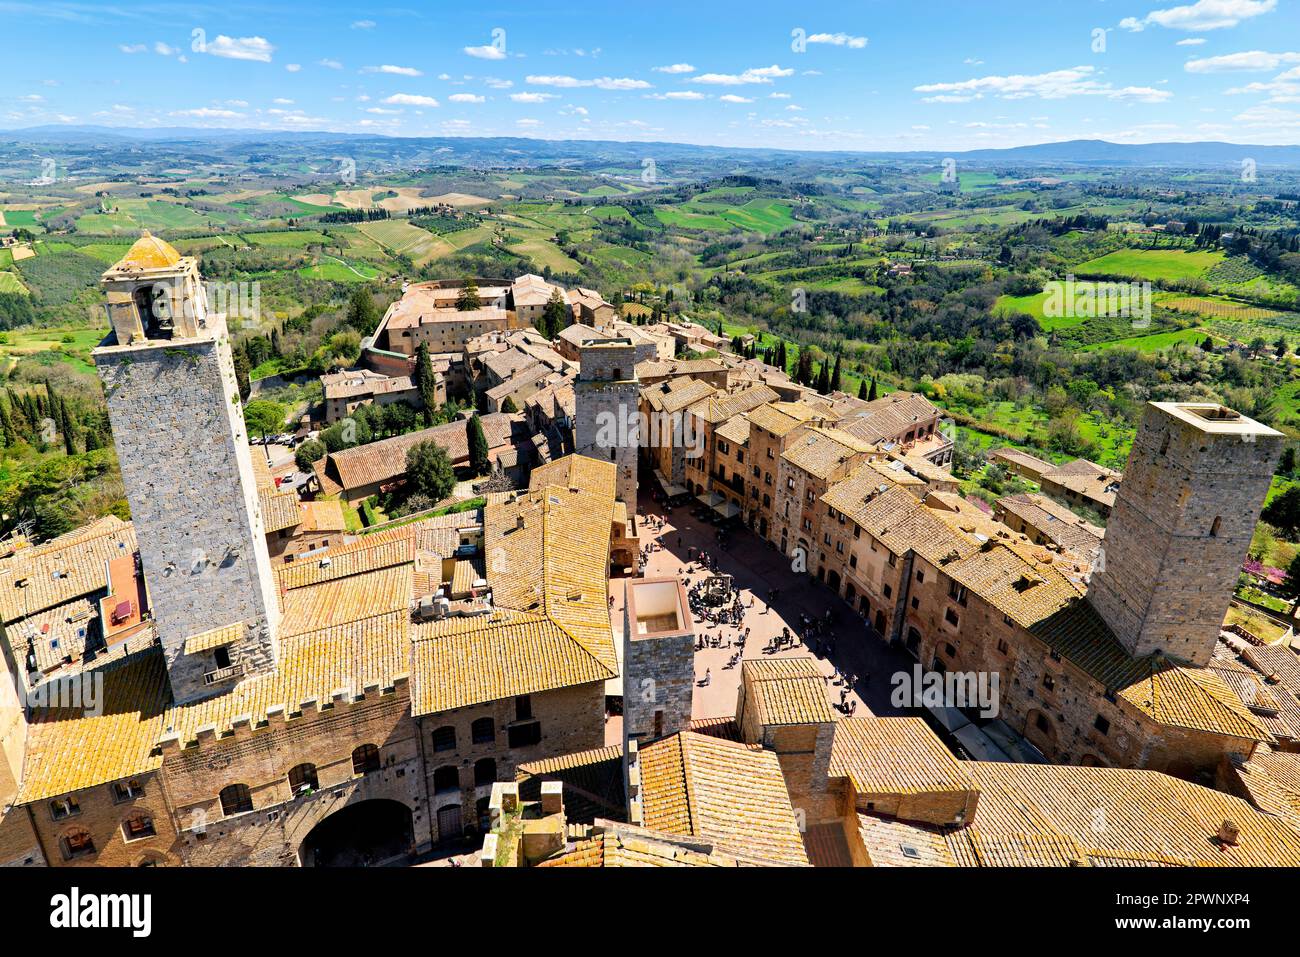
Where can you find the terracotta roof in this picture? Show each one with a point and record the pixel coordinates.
(63, 568)
(734, 430)
(781, 418)
(679, 394)
(889, 417)
(385, 460)
(148, 252)
(722, 406)
(623, 846)
(68, 750)
(1054, 521)
(896, 756)
(1271, 782)
(593, 783)
(279, 509)
(728, 793)
(346, 599)
(786, 691)
(1031, 462)
(822, 452)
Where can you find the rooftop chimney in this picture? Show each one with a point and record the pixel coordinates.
(1229, 834)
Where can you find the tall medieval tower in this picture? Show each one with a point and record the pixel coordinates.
(608, 400)
(173, 401)
(1181, 525)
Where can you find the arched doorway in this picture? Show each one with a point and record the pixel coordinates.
(369, 832)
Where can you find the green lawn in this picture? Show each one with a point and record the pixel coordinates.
(11, 283)
(1153, 263)
(1154, 342)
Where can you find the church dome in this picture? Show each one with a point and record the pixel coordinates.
(149, 252)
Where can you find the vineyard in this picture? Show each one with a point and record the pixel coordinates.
(1219, 308)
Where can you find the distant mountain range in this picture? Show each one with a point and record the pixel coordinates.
(1067, 153)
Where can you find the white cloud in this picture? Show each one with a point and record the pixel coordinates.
(410, 99)
(1190, 42)
(466, 98)
(528, 123)
(1202, 15)
(972, 61)
(380, 111)
(533, 97)
(1249, 61)
(675, 68)
(163, 49)
(132, 47)
(293, 67)
(676, 95)
(241, 48)
(282, 101)
(497, 84)
(394, 70)
(1056, 85)
(363, 24)
(208, 113)
(602, 83)
(733, 98)
(763, 74)
(486, 52)
(331, 64)
(778, 96)
(839, 40)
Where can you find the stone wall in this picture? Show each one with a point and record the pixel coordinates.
(103, 814)
(179, 432)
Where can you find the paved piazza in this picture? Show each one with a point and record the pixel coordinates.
(756, 567)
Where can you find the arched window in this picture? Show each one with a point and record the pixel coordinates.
(77, 843)
(303, 778)
(444, 739)
(485, 771)
(446, 778)
(365, 759)
(1214, 526)
(235, 799)
(483, 731)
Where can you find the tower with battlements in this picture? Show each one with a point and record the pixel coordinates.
(173, 400)
(1182, 523)
(608, 398)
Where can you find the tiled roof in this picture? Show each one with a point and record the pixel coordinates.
(821, 452)
(623, 846)
(216, 638)
(386, 459)
(547, 555)
(68, 750)
(895, 756)
(346, 599)
(369, 553)
(593, 783)
(1023, 459)
(889, 416)
(279, 509)
(680, 394)
(63, 568)
(722, 406)
(725, 792)
(734, 430)
(786, 691)
(781, 418)
(1271, 782)
(347, 656)
(1055, 521)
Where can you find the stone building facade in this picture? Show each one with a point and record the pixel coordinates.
(608, 399)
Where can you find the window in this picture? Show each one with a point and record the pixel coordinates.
(365, 759)
(236, 799)
(485, 772)
(950, 651)
(77, 843)
(893, 560)
(483, 731)
(1102, 725)
(853, 561)
(1214, 527)
(127, 791)
(523, 708)
(889, 591)
(950, 617)
(525, 735)
(839, 547)
(64, 807)
(916, 603)
(444, 738)
(1002, 646)
(302, 779)
(1041, 723)
(221, 657)
(957, 592)
(1049, 682)
(138, 825)
(445, 779)
(920, 575)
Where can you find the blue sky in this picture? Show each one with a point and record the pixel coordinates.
(877, 75)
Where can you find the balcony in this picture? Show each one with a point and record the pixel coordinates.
(228, 673)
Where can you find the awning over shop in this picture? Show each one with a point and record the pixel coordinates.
(671, 489)
(727, 509)
(709, 499)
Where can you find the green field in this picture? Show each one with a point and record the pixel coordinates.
(1154, 342)
(11, 283)
(336, 270)
(296, 238)
(1153, 263)
(399, 236)
(758, 215)
(28, 342)
(19, 217)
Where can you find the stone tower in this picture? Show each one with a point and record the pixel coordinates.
(608, 399)
(173, 401)
(1181, 525)
(658, 659)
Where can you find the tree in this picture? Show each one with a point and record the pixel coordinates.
(478, 446)
(1283, 512)
(1290, 587)
(862, 389)
(362, 314)
(426, 380)
(509, 406)
(873, 394)
(429, 470)
(835, 376)
(823, 379)
(242, 370)
(309, 453)
(468, 300)
(264, 417)
(555, 316)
